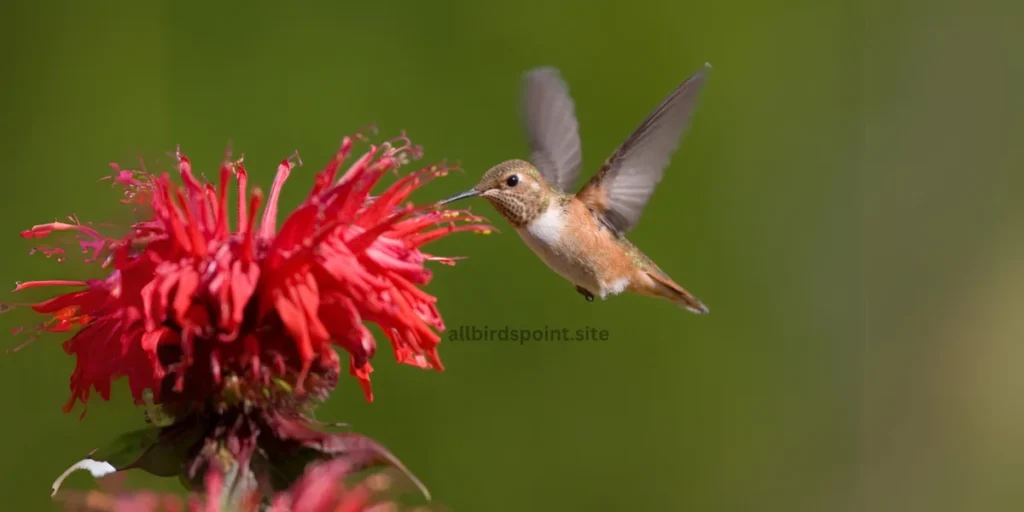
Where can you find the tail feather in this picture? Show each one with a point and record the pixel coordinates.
(667, 288)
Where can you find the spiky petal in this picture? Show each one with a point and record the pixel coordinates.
(195, 308)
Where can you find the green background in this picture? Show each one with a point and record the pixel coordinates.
(843, 204)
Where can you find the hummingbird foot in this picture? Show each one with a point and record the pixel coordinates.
(586, 294)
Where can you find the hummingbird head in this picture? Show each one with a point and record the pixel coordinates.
(515, 188)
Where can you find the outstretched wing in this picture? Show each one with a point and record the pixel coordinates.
(549, 120)
(621, 188)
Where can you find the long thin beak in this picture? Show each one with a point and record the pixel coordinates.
(468, 193)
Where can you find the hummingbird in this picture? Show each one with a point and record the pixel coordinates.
(582, 236)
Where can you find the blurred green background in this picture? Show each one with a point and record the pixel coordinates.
(841, 204)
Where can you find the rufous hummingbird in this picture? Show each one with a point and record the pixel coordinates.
(582, 236)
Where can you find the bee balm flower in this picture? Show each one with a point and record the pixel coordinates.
(324, 487)
(201, 304)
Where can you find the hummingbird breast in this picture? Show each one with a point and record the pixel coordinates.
(569, 240)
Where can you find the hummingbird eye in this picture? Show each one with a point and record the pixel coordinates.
(512, 180)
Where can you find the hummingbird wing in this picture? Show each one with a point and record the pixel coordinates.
(621, 188)
(549, 121)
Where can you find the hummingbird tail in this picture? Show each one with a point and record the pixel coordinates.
(668, 289)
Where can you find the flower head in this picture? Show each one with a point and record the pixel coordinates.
(201, 304)
(327, 486)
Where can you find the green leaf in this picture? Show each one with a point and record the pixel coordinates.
(158, 451)
(127, 448)
(167, 456)
(118, 455)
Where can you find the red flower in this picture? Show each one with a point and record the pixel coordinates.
(195, 309)
(324, 487)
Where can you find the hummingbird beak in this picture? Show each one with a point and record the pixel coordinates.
(469, 193)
